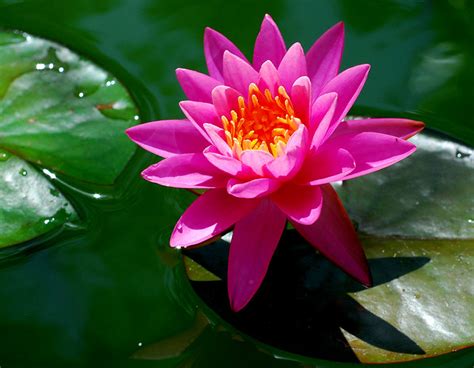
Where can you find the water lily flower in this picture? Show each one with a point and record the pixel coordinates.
(265, 139)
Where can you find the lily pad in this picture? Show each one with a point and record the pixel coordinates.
(63, 113)
(429, 195)
(416, 226)
(29, 203)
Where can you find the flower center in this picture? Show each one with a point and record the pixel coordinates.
(264, 123)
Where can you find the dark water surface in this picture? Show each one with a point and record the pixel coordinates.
(94, 296)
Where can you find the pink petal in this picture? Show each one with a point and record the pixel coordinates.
(191, 170)
(215, 44)
(254, 241)
(269, 44)
(225, 99)
(256, 160)
(334, 236)
(208, 216)
(402, 128)
(255, 188)
(168, 137)
(322, 116)
(238, 73)
(347, 85)
(325, 166)
(300, 203)
(269, 78)
(324, 57)
(292, 66)
(372, 151)
(200, 113)
(226, 164)
(287, 165)
(301, 98)
(196, 86)
(217, 137)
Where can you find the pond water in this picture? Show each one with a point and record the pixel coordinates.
(109, 291)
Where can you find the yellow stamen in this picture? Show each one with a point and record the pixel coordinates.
(263, 122)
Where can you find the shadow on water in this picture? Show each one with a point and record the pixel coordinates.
(304, 301)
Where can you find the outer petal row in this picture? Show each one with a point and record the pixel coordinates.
(258, 227)
(167, 138)
(254, 241)
(191, 170)
(208, 216)
(324, 57)
(371, 151)
(334, 236)
(215, 44)
(269, 44)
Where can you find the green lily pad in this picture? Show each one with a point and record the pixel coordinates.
(430, 195)
(431, 305)
(63, 113)
(196, 272)
(416, 226)
(30, 205)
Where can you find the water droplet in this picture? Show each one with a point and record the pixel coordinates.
(4, 156)
(461, 154)
(471, 221)
(179, 227)
(61, 69)
(80, 94)
(136, 117)
(140, 344)
(40, 66)
(96, 196)
(51, 66)
(49, 221)
(23, 172)
(109, 83)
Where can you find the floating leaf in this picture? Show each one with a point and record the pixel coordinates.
(29, 203)
(429, 195)
(62, 112)
(432, 305)
(175, 345)
(196, 272)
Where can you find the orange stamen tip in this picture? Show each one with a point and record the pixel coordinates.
(263, 122)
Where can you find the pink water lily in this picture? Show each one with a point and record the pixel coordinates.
(266, 139)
